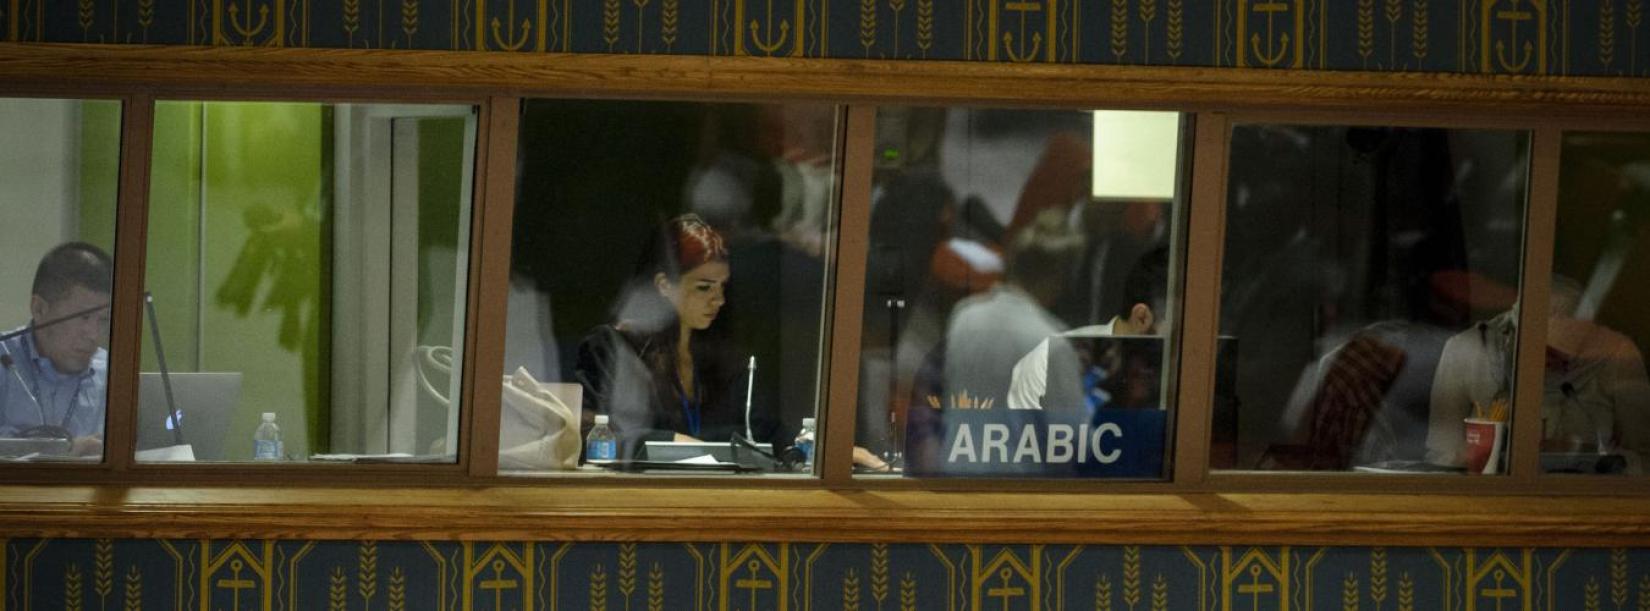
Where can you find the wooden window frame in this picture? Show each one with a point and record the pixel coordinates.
(470, 500)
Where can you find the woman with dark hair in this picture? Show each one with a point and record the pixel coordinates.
(660, 372)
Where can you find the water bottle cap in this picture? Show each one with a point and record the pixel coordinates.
(601, 418)
(269, 416)
(806, 422)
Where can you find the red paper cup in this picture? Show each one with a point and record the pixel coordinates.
(1483, 445)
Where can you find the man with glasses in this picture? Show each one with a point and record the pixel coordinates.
(54, 370)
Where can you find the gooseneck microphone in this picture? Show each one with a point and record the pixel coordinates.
(173, 416)
(750, 384)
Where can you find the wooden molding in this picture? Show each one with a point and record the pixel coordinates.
(243, 72)
(643, 514)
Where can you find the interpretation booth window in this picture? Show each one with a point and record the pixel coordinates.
(306, 282)
(668, 273)
(1595, 402)
(60, 168)
(1367, 299)
(1020, 293)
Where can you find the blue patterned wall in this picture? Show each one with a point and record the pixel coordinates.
(84, 574)
(1580, 37)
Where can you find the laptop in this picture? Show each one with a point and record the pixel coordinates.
(207, 401)
(718, 451)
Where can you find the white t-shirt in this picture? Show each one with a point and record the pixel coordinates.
(1030, 377)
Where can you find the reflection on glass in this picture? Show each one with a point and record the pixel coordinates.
(668, 272)
(1366, 301)
(59, 167)
(307, 264)
(1595, 408)
(1018, 293)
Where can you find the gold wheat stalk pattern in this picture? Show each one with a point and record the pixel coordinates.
(88, 14)
(850, 591)
(1589, 595)
(1644, 592)
(598, 588)
(1377, 576)
(396, 597)
(669, 13)
(1175, 29)
(103, 569)
(879, 573)
(1394, 14)
(1618, 576)
(1418, 30)
(1406, 592)
(908, 592)
(352, 19)
(1606, 32)
(1102, 593)
(145, 16)
(1366, 29)
(641, 23)
(656, 588)
(925, 26)
(896, 6)
(610, 23)
(1119, 28)
(72, 588)
(409, 19)
(1160, 593)
(1349, 592)
(1131, 575)
(627, 571)
(366, 573)
(134, 589)
(867, 25)
(1148, 13)
(338, 591)
(1635, 16)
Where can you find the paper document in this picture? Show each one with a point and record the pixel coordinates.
(703, 459)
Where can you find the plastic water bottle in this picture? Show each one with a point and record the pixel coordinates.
(266, 441)
(602, 445)
(805, 442)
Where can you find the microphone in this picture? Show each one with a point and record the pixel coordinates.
(173, 416)
(53, 322)
(750, 385)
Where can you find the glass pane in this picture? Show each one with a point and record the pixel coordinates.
(1367, 289)
(59, 179)
(307, 265)
(1595, 406)
(1018, 293)
(668, 276)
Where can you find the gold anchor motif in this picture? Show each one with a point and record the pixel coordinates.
(1267, 55)
(244, 26)
(759, 573)
(1254, 575)
(236, 584)
(1006, 577)
(247, 568)
(771, 44)
(1510, 578)
(505, 40)
(1021, 55)
(1513, 53)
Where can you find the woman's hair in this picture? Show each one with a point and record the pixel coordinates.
(678, 245)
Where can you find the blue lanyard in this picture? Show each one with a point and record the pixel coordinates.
(690, 411)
